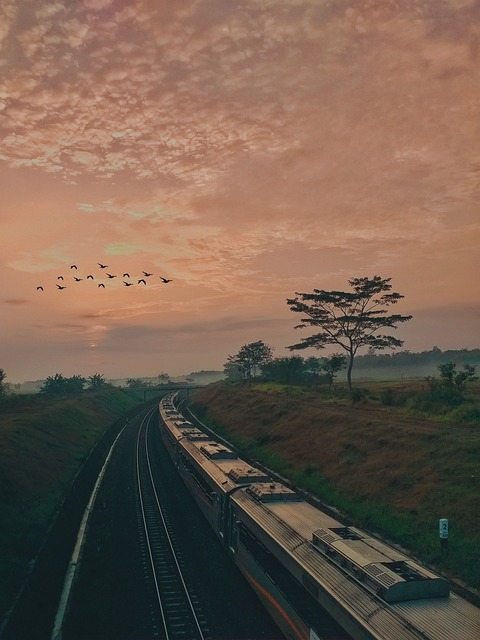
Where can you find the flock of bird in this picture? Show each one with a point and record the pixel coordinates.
(110, 276)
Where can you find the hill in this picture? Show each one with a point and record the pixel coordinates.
(43, 444)
(387, 469)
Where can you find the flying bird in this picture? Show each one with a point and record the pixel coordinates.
(165, 279)
(147, 274)
(126, 275)
(102, 266)
(73, 266)
(77, 279)
(142, 280)
(39, 288)
(60, 278)
(59, 287)
(101, 285)
(127, 284)
(110, 276)
(89, 277)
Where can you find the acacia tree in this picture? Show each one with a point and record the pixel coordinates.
(349, 319)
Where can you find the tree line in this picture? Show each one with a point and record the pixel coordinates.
(350, 320)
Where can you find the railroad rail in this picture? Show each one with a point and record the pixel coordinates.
(175, 611)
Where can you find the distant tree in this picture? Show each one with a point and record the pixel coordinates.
(332, 365)
(54, 385)
(290, 370)
(163, 378)
(250, 359)
(96, 381)
(3, 387)
(232, 370)
(450, 377)
(135, 383)
(59, 384)
(349, 319)
(75, 384)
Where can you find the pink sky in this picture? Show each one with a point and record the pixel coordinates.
(245, 149)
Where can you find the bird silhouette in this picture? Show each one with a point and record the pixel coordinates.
(89, 277)
(110, 276)
(102, 266)
(142, 280)
(165, 279)
(60, 278)
(77, 279)
(59, 287)
(127, 284)
(101, 285)
(73, 266)
(147, 274)
(39, 288)
(126, 275)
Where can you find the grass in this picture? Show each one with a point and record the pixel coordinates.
(391, 468)
(42, 445)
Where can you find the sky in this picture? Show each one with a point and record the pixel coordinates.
(245, 150)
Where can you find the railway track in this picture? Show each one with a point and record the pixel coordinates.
(174, 607)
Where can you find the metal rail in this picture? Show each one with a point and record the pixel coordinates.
(176, 607)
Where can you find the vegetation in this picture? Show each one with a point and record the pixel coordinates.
(44, 439)
(394, 463)
(349, 319)
(3, 375)
(246, 363)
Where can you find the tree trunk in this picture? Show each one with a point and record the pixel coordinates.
(349, 372)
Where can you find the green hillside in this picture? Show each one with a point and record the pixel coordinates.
(43, 443)
(391, 469)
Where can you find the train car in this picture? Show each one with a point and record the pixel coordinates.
(318, 578)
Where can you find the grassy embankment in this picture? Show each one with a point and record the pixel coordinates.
(43, 443)
(386, 461)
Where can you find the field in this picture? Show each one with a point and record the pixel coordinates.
(392, 460)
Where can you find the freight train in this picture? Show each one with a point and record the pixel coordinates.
(318, 578)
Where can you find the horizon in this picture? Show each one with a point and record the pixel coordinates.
(242, 151)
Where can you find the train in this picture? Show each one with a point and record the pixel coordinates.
(318, 578)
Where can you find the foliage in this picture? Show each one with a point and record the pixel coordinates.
(350, 319)
(450, 377)
(287, 370)
(163, 378)
(3, 375)
(59, 384)
(96, 381)
(136, 383)
(294, 370)
(248, 360)
(332, 365)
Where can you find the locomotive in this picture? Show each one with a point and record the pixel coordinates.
(318, 578)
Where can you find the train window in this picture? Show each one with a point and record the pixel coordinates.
(201, 482)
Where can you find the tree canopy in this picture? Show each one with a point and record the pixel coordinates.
(248, 360)
(350, 319)
(58, 384)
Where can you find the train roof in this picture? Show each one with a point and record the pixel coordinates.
(292, 526)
